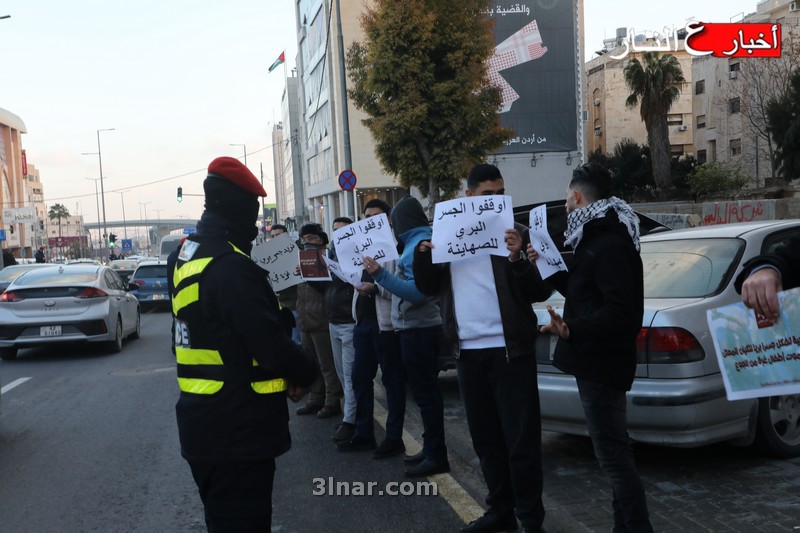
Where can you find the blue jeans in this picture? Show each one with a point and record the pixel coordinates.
(605, 410)
(343, 357)
(420, 348)
(374, 347)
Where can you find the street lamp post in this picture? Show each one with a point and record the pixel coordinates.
(96, 199)
(263, 206)
(102, 189)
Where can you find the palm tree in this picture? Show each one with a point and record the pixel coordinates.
(58, 211)
(656, 84)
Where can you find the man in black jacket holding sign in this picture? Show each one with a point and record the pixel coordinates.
(490, 328)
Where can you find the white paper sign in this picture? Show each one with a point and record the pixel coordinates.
(549, 261)
(353, 278)
(369, 237)
(278, 256)
(471, 226)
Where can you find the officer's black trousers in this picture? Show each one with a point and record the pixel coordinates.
(237, 497)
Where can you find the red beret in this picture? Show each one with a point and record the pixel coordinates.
(234, 171)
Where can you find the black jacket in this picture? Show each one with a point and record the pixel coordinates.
(786, 259)
(241, 314)
(518, 285)
(339, 299)
(604, 305)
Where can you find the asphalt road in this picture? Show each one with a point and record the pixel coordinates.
(88, 443)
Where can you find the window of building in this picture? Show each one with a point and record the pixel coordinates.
(734, 105)
(701, 157)
(699, 86)
(734, 66)
(701, 121)
(674, 119)
(735, 146)
(676, 150)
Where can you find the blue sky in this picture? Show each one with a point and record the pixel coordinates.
(181, 80)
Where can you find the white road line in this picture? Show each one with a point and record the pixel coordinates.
(453, 493)
(13, 384)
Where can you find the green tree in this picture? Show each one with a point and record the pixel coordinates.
(58, 211)
(712, 178)
(655, 85)
(783, 124)
(420, 76)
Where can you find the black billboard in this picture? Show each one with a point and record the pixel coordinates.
(535, 67)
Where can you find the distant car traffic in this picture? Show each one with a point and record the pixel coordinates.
(678, 397)
(149, 283)
(67, 304)
(12, 272)
(124, 268)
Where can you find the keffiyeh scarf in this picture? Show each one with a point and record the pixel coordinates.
(598, 209)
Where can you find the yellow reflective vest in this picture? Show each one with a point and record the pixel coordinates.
(202, 370)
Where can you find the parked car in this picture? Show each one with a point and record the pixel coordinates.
(149, 283)
(12, 272)
(678, 396)
(67, 304)
(124, 268)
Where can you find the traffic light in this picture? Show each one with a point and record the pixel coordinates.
(112, 240)
(180, 194)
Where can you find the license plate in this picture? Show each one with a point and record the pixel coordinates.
(159, 297)
(553, 342)
(50, 331)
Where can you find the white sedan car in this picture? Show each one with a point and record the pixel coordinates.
(67, 304)
(678, 396)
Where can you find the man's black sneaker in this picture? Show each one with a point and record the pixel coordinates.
(492, 523)
(356, 444)
(345, 431)
(389, 448)
(415, 459)
(428, 467)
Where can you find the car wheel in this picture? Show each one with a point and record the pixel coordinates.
(138, 331)
(7, 354)
(115, 346)
(778, 431)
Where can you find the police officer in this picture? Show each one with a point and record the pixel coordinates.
(236, 362)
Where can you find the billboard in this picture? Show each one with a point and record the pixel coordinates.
(534, 65)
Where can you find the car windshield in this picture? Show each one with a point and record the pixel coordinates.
(152, 271)
(56, 277)
(687, 268)
(123, 265)
(13, 272)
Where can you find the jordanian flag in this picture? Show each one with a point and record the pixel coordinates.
(279, 61)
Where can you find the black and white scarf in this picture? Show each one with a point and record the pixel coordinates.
(598, 209)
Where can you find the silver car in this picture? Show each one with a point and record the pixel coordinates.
(678, 397)
(67, 303)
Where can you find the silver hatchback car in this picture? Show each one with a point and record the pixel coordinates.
(678, 396)
(65, 304)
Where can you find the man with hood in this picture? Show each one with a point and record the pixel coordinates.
(235, 360)
(416, 319)
(603, 309)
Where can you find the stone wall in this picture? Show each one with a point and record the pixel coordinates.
(683, 215)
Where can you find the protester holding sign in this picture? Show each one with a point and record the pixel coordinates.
(490, 327)
(418, 323)
(338, 305)
(324, 400)
(376, 344)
